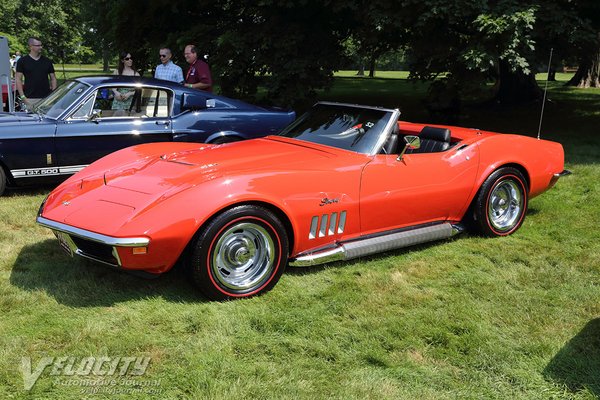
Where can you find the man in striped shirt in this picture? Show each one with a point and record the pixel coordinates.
(167, 70)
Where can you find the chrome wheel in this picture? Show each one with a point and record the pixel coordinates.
(243, 256)
(505, 205)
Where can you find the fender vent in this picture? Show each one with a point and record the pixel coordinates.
(327, 225)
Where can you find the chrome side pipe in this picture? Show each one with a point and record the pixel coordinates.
(378, 244)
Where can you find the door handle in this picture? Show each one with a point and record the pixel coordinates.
(165, 123)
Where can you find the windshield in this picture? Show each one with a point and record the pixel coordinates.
(345, 127)
(58, 101)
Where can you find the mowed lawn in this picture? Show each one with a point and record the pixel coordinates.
(504, 318)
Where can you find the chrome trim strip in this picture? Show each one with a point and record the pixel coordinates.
(333, 103)
(96, 237)
(565, 172)
(387, 131)
(377, 244)
(89, 257)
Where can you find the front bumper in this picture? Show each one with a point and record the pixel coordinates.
(91, 245)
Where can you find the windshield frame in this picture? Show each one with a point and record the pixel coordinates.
(59, 94)
(376, 147)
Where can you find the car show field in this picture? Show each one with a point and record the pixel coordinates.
(469, 317)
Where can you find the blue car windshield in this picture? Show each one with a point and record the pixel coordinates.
(345, 127)
(58, 101)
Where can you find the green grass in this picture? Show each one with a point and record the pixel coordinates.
(514, 317)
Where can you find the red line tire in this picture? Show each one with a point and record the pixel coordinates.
(501, 203)
(241, 252)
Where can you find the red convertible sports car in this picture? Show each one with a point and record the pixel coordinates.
(343, 181)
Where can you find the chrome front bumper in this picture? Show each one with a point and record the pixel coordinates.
(91, 245)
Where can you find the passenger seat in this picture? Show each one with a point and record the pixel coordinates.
(433, 140)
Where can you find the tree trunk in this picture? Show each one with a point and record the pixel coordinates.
(361, 69)
(551, 74)
(514, 87)
(105, 59)
(588, 73)
(372, 67)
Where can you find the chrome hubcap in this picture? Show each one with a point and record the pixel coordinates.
(243, 256)
(505, 205)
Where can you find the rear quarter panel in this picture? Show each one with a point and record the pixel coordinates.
(541, 159)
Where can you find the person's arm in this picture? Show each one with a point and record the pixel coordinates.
(198, 85)
(19, 82)
(52, 81)
(180, 76)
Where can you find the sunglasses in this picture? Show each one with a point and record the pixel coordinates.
(163, 55)
(128, 58)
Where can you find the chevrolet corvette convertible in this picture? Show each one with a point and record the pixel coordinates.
(81, 121)
(343, 181)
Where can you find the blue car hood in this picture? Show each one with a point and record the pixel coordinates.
(15, 125)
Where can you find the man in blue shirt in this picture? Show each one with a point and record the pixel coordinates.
(167, 70)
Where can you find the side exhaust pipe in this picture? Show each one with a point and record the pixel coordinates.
(378, 244)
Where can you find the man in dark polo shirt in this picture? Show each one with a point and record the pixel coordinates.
(36, 69)
(198, 74)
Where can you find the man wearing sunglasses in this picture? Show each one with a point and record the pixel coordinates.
(36, 69)
(167, 69)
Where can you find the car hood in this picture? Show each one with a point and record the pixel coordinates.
(192, 166)
(133, 187)
(22, 118)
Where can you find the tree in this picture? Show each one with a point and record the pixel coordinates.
(297, 45)
(98, 28)
(586, 41)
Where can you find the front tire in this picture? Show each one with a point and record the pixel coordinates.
(501, 203)
(240, 253)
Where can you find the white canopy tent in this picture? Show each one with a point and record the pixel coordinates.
(6, 76)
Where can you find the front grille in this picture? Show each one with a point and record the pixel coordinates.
(97, 251)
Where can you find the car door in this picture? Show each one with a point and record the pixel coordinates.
(421, 188)
(27, 147)
(97, 128)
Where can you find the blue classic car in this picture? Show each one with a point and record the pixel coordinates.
(88, 117)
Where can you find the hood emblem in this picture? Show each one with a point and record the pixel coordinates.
(326, 201)
(66, 203)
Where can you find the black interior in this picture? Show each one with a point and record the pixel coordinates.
(433, 140)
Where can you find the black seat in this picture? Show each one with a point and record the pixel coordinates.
(433, 140)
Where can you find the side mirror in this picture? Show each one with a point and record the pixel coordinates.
(96, 113)
(412, 142)
(193, 102)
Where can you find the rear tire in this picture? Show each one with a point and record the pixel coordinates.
(501, 203)
(242, 252)
(2, 181)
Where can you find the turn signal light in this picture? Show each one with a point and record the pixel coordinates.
(139, 250)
